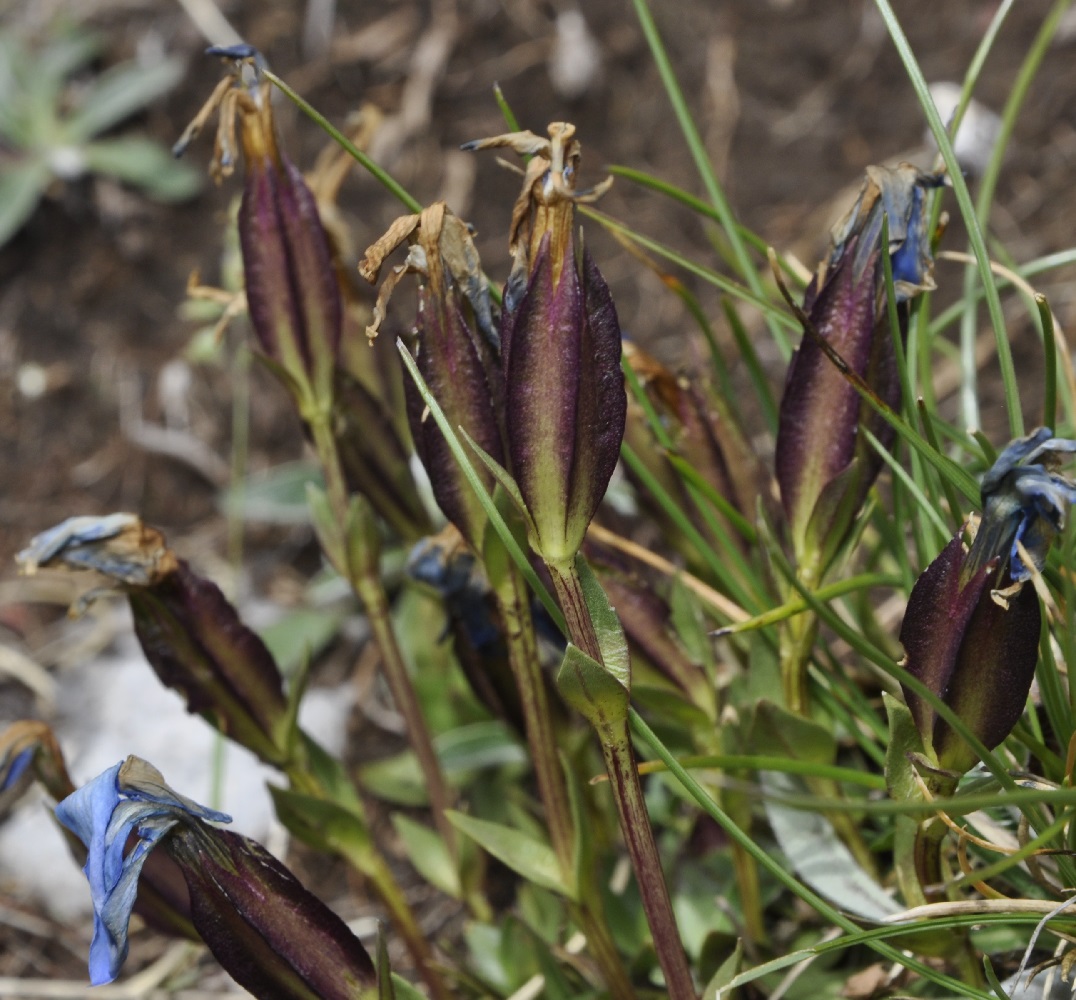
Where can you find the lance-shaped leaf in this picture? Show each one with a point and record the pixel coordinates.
(455, 352)
(272, 936)
(191, 635)
(824, 465)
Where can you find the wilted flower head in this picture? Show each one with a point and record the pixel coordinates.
(191, 635)
(455, 350)
(565, 402)
(292, 292)
(825, 466)
(1024, 504)
(28, 748)
(971, 630)
(270, 934)
(129, 798)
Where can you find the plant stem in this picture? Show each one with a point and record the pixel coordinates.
(371, 591)
(526, 669)
(639, 837)
(798, 635)
(628, 795)
(512, 601)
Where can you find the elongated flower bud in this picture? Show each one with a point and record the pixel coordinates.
(191, 635)
(565, 404)
(292, 292)
(971, 630)
(270, 934)
(455, 352)
(825, 466)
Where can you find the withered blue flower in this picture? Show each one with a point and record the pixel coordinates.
(971, 629)
(129, 798)
(191, 635)
(1024, 504)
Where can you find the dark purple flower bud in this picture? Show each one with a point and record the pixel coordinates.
(455, 352)
(824, 465)
(565, 404)
(192, 637)
(971, 630)
(270, 934)
(292, 292)
(976, 654)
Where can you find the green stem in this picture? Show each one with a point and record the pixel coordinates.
(513, 603)
(797, 640)
(628, 794)
(511, 597)
(639, 837)
(371, 591)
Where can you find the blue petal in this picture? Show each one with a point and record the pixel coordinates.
(103, 814)
(16, 767)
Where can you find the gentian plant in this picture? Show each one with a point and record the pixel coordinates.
(706, 728)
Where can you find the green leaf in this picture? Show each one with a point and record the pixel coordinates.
(143, 164)
(776, 729)
(395, 779)
(478, 746)
(119, 93)
(21, 186)
(904, 739)
(531, 858)
(277, 496)
(592, 690)
(428, 853)
(324, 825)
(820, 858)
(327, 528)
(301, 634)
(403, 990)
(726, 972)
(611, 639)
